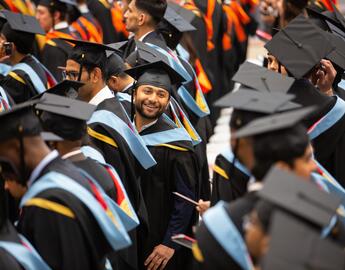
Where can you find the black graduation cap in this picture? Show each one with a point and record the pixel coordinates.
(274, 122)
(158, 74)
(20, 119)
(145, 54)
(119, 46)
(299, 197)
(262, 79)
(23, 23)
(115, 65)
(295, 245)
(337, 56)
(186, 14)
(63, 116)
(50, 137)
(297, 46)
(177, 21)
(255, 101)
(66, 88)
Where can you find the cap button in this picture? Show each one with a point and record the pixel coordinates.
(299, 45)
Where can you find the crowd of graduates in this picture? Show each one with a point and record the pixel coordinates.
(106, 109)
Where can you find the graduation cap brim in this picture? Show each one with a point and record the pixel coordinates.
(295, 245)
(299, 197)
(262, 79)
(68, 107)
(274, 122)
(255, 101)
(48, 2)
(177, 21)
(337, 56)
(119, 48)
(66, 88)
(23, 23)
(297, 46)
(88, 44)
(149, 54)
(138, 71)
(50, 137)
(188, 15)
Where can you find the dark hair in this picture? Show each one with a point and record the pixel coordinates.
(241, 118)
(58, 6)
(292, 8)
(264, 210)
(283, 145)
(24, 41)
(155, 8)
(92, 58)
(3, 206)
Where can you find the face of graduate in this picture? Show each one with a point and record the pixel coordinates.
(273, 64)
(244, 151)
(150, 101)
(302, 166)
(134, 17)
(44, 18)
(255, 237)
(72, 73)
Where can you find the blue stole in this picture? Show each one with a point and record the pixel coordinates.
(226, 234)
(112, 228)
(4, 69)
(131, 220)
(186, 124)
(131, 136)
(229, 156)
(332, 117)
(182, 52)
(167, 136)
(123, 96)
(27, 257)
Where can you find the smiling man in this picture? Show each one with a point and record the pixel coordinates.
(176, 169)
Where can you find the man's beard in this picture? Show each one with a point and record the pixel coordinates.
(139, 109)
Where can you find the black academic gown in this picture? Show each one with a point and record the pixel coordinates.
(101, 11)
(328, 147)
(55, 53)
(7, 261)
(176, 170)
(19, 85)
(229, 183)
(215, 57)
(126, 165)
(62, 241)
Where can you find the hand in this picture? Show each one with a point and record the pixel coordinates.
(203, 206)
(324, 77)
(159, 257)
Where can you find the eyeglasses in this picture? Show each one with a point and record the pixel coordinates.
(70, 75)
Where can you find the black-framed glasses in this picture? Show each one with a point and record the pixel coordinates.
(70, 75)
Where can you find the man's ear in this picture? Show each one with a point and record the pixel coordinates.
(96, 75)
(142, 18)
(56, 15)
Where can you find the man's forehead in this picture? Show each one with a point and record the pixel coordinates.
(155, 88)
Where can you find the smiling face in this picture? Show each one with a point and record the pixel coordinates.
(150, 101)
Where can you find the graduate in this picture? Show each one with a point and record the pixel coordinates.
(327, 135)
(52, 16)
(101, 10)
(84, 23)
(176, 169)
(77, 220)
(26, 77)
(11, 243)
(110, 127)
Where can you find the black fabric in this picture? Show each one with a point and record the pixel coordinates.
(126, 165)
(228, 190)
(56, 56)
(78, 243)
(215, 257)
(238, 209)
(103, 16)
(169, 215)
(18, 91)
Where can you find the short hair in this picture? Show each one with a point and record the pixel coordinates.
(240, 118)
(24, 41)
(283, 145)
(155, 8)
(59, 6)
(93, 58)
